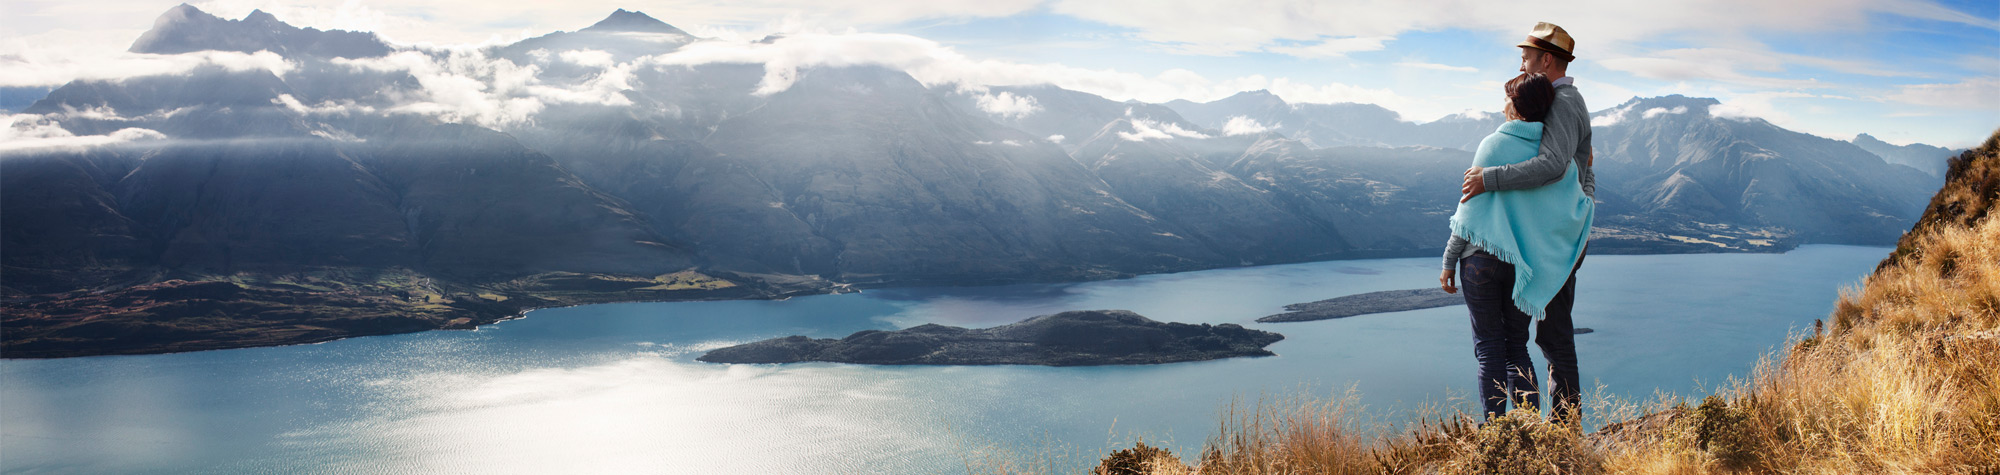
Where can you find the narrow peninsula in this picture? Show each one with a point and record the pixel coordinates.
(1075, 338)
(1362, 304)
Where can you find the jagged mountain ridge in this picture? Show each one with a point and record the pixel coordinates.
(184, 29)
(1333, 125)
(1926, 158)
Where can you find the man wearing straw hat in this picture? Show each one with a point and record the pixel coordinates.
(1548, 50)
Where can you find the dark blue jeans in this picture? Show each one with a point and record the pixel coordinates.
(1500, 340)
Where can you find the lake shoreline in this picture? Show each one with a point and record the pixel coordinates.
(469, 310)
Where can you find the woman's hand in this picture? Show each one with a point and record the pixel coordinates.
(1475, 183)
(1445, 280)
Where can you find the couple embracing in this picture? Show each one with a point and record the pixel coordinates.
(1520, 230)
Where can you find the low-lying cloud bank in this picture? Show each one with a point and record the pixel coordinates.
(25, 133)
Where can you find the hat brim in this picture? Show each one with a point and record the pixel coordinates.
(1565, 55)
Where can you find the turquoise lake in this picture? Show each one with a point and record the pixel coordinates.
(615, 389)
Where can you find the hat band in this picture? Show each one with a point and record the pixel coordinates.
(1545, 45)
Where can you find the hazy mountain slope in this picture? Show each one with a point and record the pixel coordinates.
(63, 229)
(1049, 112)
(867, 160)
(478, 203)
(1929, 159)
(1332, 125)
(1379, 201)
(1214, 208)
(1705, 168)
(272, 205)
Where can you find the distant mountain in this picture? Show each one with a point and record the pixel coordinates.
(590, 177)
(622, 21)
(1335, 125)
(1065, 117)
(862, 173)
(17, 98)
(1171, 183)
(185, 28)
(1927, 158)
(1375, 201)
(624, 35)
(1670, 157)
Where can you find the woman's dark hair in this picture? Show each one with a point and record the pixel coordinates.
(1532, 94)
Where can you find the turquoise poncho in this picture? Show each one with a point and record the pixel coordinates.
(1541, 230)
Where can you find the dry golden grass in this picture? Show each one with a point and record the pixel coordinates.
(1906, 380)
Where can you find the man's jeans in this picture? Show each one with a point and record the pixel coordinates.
(1500, 339)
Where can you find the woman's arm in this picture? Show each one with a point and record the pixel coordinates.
(1565, 127)
(1452, 251)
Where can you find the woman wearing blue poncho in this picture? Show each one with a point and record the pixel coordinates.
(1537, 235)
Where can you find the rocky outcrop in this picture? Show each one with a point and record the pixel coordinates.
(1076, 338)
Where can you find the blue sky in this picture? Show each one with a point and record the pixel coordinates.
(1902, 70)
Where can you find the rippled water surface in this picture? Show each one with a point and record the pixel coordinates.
(615, 389)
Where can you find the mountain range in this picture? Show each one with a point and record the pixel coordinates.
(416, 188)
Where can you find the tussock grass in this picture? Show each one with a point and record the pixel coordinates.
(1905, 380)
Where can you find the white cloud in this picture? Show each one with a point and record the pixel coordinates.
(592, 58)
(31, 132)
(1659, 111)
(606, 88)
(1976, 93)
(24, 64)
(106, 113)
(465, 85)
(323, 108)
(459, 85)
(934, 64)
(1614, 116)
(1252, 25)
(1296, 92)
(51, 42)
(1757, 105)
(1140, 132)
(1709, 64)
(1143, 129)
(1333, 48)
(1241, 125)
(783, 58)
(1438, 67)
(96, 112)
(1057, 138)
(1007, 105)
(31, 126)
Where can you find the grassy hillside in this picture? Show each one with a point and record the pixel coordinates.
(1902, 380)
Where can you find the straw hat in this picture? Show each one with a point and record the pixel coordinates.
(1551, 38)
